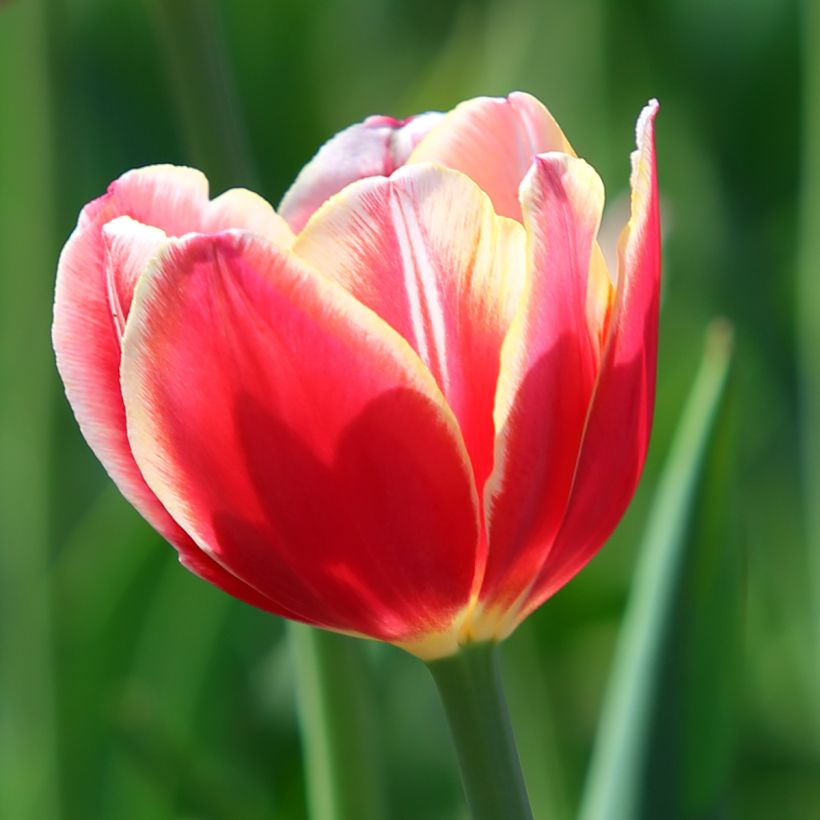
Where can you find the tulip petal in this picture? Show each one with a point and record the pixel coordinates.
(620, 419)
(426, 252)
(95, 279)
(168, 197)
(298, 439)
(375, 147)
(243, 209)
(129, 247)
(175, 199)
(548, 365)
(494, 141)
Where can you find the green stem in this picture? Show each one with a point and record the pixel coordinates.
(336, 717)
(470, 687)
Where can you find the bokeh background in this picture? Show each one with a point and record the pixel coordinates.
(131, 690)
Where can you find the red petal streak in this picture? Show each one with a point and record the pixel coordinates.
(95, 279)
(548, 366)
(494, 141)
(620, 419)
(375, 147)
(298, 439)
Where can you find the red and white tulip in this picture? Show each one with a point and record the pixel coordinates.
(410, 406)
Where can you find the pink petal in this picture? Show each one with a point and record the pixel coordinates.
(163, 196)
(548, 366)
(240, 208)
(95, 279)
(494, 141)
(375, 147)
(298, 439)
(620, 419)
(426, 252)
(129, 247)
(175, 199)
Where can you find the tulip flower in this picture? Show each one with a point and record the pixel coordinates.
(411, 405)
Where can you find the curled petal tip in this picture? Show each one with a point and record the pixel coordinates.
(646, 120)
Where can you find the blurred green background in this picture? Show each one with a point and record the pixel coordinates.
(130, 689)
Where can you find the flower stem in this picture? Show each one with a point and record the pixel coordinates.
(470, 687)
(337, 726)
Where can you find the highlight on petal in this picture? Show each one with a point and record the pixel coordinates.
(244, 210)
(175, 200)
(548, 365)
(425, 251)
(168, 197)
(494, 140)
(116, 236)
(375, 147)
(617, 430)
(129, 247)
(269, 411)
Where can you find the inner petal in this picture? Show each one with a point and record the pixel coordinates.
(425, 251)
(129, 247)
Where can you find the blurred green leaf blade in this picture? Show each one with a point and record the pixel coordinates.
(646, 763)
(27, 709)
(527, 686)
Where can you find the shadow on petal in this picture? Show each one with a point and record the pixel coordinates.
(368, 538)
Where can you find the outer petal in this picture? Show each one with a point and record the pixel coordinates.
(168, 197)
(95, 279)
(375, 147)
(298, 439)
(548, 367)
(620, 419)
(494, 141)
(175, 199)
(426, 252)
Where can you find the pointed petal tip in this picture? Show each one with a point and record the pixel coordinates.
(646, 121)
(653, 106)
(557, 168)
(643, 179)
(559, 160)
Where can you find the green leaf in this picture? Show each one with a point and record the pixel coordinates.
(338, 725)
(665, 734)
(27, 254)
(527, 684)
(807, 326)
